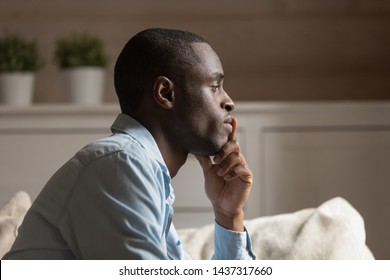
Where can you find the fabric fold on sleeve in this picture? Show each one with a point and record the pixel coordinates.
(232, 245)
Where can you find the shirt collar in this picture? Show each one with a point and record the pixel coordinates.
(128, 125)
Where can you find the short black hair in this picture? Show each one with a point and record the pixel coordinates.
(151, 53)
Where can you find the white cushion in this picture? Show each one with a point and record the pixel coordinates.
(11, 216)
(334, 230)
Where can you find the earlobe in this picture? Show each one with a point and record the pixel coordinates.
(164, 93)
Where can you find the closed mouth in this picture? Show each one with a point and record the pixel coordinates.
(228, 120)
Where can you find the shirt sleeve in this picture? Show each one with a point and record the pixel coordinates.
(232, 245)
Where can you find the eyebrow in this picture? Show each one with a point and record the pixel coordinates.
(218, 75)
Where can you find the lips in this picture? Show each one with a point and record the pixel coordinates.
(228, 120)
(228, 123)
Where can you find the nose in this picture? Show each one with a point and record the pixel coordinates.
(227, 103)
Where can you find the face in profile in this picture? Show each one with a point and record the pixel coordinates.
(203, 105)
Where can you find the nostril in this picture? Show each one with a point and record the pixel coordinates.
(229, 107)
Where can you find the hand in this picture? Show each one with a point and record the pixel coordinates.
(228, 183)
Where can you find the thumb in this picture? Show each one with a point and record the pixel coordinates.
(205, 162)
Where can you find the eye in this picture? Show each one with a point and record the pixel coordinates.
(215, 88)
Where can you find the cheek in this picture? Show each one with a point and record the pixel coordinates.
(200, 111)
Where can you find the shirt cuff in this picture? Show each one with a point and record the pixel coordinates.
(232, 245)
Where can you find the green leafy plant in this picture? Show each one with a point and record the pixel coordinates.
(80, 50)
(18, 55)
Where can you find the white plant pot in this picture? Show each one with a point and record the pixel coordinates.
(84, 85)
(16, 88)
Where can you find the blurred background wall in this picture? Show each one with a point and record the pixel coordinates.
(271, 49)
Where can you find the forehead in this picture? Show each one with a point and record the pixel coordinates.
(209, 62)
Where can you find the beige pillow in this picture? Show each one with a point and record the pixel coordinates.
(334, 230)
(11, 217)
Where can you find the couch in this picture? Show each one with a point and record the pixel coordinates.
(334, 230)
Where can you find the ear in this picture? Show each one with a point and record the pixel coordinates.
(164, 93)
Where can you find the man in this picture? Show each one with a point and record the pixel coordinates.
(113, 199)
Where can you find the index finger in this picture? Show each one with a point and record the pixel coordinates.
(233, 135)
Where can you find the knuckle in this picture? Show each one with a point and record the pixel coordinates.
(235, 144)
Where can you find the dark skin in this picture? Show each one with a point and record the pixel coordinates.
(195, 118)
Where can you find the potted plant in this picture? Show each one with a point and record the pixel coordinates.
(19, 60)
(82, 61)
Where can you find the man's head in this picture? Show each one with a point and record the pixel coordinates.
(149, 54)
(173, 80)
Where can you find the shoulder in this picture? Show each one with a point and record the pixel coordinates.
(121, 157)
(116, 146)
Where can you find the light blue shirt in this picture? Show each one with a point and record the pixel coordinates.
(113, 200)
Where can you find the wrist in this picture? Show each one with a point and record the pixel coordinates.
(228, 221)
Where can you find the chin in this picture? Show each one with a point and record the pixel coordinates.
(209, 150)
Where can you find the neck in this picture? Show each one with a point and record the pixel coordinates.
(173, 156)
(174, 159)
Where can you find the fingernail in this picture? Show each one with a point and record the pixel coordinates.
(217, 158)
